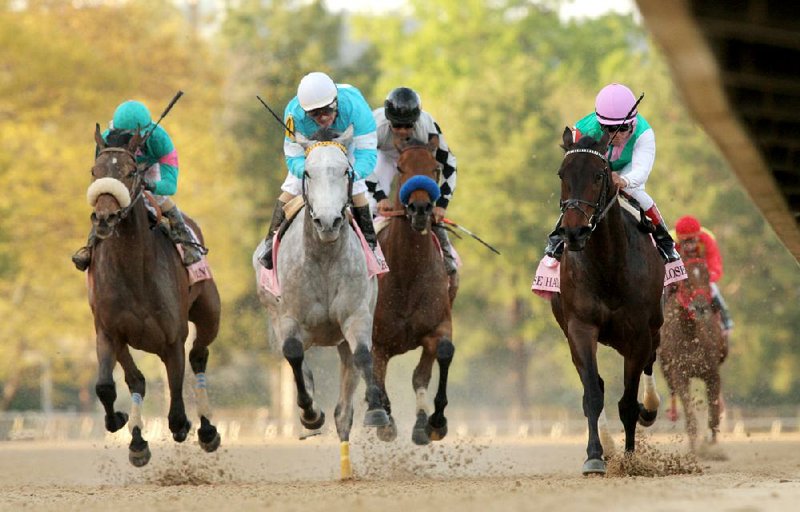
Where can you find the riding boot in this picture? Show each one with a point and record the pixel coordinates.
(555, 245)
(718, 303)
(180, 234)
(450, 264)
(363, 218)
(278, 216)
(664, 241)
(83, 256)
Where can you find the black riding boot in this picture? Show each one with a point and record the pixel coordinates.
(83, 256)
(363, 217)
(718, 304)
(449, 262)
(555, 245)
(180, 234)
(278, 216)
(665, 243)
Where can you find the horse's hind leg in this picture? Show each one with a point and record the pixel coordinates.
(348, 380)
(204, 313)
(312, 417)
(437, 424)
(174, 359)
(138, 450)
(105, 388)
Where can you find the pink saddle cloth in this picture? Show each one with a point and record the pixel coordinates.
(199, 271)
(268, 278)
(547, 280)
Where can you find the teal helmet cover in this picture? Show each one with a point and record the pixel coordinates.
(131, 115)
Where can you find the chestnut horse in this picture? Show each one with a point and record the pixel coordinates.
(612, 278)
(693, 345)
(414, 302)
(140, 297)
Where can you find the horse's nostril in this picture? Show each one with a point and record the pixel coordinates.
(337, 222)
(318, 223)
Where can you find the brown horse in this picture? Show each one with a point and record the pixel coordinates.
(414, 303)
(140, 297)
(693, 345)
(611, 284)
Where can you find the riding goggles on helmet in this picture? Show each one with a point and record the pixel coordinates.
(611, 128)
(322, 111)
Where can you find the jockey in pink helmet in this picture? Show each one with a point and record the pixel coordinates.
(631, 154)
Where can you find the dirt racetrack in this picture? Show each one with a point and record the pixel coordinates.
(461, 474)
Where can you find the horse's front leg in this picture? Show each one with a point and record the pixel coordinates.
(312, 416)
(174, 360)
(714, 397)
(583, 347)
(105, 388)
(138, 450)
(419, 382)
(437, 424)
(358, 332)
(348, 380)
(630, 410)
(380, 362)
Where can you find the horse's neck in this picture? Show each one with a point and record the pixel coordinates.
(131, 242)
(608, 245)
(403, 239)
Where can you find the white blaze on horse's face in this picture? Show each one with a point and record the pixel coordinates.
(327, 188)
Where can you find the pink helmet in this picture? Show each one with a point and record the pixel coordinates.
(613, 103)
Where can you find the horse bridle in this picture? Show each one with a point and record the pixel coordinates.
(137, 190)
(601, 205)
(350, 178)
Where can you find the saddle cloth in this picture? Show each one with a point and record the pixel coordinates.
(268, 278)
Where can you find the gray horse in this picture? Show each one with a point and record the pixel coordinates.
(328, 298)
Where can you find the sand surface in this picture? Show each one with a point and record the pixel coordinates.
(458, 474)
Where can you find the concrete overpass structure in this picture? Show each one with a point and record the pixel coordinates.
(737, 65)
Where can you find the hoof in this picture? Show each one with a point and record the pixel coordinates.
(207, 435)
(436, 428)
(138, 450)
(376, 418)
(594, 467)
(388, 432)
(646, 418)
(420, 433)
(180, 435)
(314, 423)
(116, 422)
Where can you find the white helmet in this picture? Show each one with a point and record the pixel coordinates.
(316, 90)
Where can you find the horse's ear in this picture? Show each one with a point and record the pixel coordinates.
(604, 139)
(135, 142)
(346, 137)
(566, 137)
(98, 137)
(433, 144)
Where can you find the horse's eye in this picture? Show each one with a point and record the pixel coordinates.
(598, 177)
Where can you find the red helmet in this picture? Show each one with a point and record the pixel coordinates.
(687, 226)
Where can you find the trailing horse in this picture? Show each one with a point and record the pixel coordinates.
(414, 302)
(141, 298)
(693, 346)
(611, 285)
(328, 297)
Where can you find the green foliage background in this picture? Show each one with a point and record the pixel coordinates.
(502, 79)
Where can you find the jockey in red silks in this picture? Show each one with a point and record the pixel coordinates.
(694, 238)
(631, 155)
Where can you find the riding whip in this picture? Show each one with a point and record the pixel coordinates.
(163, 115)
(470, 233)
(288, 130)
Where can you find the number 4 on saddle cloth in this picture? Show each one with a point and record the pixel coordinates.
(546, 282)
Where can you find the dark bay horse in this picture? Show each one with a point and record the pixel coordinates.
(140, 297)
(414, 303)
(693, 345)
(612, 278)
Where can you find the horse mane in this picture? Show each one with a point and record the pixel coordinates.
(325, 135)
(117, 138)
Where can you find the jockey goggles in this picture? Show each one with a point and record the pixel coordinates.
(322, 111)
(399, 126)
(611, 128)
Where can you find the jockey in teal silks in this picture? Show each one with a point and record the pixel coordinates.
(160, 159)
(631, 154)
(322, 103)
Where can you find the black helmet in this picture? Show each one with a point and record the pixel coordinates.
(402, 106)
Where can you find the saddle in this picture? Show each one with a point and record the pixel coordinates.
(632, 206)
